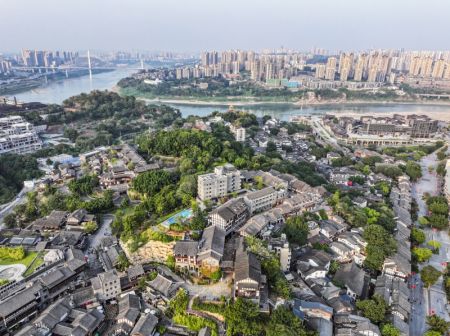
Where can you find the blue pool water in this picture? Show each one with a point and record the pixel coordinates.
(184, 214)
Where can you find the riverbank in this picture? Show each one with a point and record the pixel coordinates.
(250, 101)
(294, 104)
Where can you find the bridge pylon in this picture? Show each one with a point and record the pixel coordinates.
(89, 63)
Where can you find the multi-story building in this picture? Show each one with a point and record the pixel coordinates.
(239, 133)
(330, 68)
(283, 250)
(225, 179)
(106, 286)
(261, 199)
(230, 216)
(18, 136)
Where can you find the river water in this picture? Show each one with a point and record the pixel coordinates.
(56, 92)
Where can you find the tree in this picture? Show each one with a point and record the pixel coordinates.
(334, 266)
(151, 182)
(122, 262)
(90, 227)
(422, 254)
(284, 322)
(429, 275)
(417, 236)
(271, 147)
(389, 330)
(434, 244)
(374, 309)
(432, 333)
(423, 221)
(216, 275)
(380, 245)
(242, 318)
(296, 230)
(438, 324)
(198, 221)
(438, 221)
(170, 262)
(10, 220)
(413, 170)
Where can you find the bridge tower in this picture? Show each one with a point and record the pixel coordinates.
(89, 64)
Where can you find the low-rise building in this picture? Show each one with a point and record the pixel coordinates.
(354, 279)
(248, 279)
(230, 216)
(77, 219)
(260, 200)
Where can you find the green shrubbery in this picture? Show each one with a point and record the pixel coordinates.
(12, 253)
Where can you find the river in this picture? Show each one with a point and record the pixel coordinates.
(56, 92)
(285, 111)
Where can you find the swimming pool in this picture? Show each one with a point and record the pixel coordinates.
(183, 215)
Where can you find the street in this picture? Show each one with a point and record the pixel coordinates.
(9, 207)
(428, 301)
(103, 231)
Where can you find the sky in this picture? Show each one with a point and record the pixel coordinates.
(196, 25)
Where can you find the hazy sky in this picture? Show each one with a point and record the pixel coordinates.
(193, 25)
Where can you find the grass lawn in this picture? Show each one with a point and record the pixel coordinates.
(37, 262)
(25, 261)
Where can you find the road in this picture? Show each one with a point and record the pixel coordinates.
(325, 134)
(9, 207)
(433, 300)
(103, 231)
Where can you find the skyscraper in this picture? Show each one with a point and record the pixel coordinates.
(330, 68)
(320, 70)
(360, 67)
(205, 58)
(438, 69)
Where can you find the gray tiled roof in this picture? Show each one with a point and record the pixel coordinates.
(212, 242)
(145, 325)
(186, 247)
(246, 265)
(19, 300)
(260, 193)
(352, 277)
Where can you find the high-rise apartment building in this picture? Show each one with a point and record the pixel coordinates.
(320, 70)
(330, 68)
(345, 66)
(438, 69)
(360, 67)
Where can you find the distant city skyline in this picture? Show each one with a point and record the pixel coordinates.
(198, 25)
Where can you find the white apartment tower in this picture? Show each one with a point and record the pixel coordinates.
(225, 179)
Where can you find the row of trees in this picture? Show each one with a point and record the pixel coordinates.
(437, 213)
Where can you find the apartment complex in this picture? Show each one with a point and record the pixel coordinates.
(224, 180)
(380, 131)
(18, 136)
